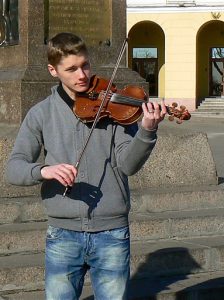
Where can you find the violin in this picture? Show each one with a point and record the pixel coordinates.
(124, 106)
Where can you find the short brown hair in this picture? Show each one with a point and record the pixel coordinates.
(64, 44)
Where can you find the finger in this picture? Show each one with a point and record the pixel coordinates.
(145, 109)
(163, 107)
(156, 109)
(72, 169)
(148, 108)
(61, 179)
(66, 174)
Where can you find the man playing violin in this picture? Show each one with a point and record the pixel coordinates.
(87, 227)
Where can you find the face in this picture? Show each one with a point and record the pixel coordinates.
(74, 73)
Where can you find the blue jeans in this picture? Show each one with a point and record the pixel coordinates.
(69, 254)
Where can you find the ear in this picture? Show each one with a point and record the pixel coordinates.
(52, 70)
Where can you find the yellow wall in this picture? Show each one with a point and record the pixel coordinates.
(185, 77)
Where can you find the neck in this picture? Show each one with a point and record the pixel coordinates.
(70, 93)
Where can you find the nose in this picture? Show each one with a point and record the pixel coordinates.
(81, 73)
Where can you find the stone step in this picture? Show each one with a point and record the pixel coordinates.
(22, 237)
(22, 272)
(154, 201)
(211, 108)
(213, 102)
(217, 99)
(21, 209)
(27, 209)
(175, 256)
(177, 224)
(25, 237)
(26, 295)
(163, 266)
(207, 114)
(206, 286)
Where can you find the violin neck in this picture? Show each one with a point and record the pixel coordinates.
(118, 98)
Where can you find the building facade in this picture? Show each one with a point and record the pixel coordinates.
(178, 47)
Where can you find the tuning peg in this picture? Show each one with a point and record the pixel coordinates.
(171, 118)
(174, 104)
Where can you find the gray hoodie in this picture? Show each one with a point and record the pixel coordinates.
(100, 198)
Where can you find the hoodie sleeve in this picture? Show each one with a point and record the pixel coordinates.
(133, 146)
(22, 167)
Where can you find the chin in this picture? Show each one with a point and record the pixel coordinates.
(81, 89)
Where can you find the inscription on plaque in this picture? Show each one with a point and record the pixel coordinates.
(90, 19)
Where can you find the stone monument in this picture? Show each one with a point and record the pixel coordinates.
(24, 31)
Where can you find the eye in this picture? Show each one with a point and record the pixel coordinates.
(86, 65)
(72, 69)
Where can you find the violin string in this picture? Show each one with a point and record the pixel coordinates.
(68, 188)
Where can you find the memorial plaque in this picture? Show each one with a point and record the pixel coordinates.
(90, 19)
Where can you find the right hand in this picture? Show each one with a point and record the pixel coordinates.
(64, 173)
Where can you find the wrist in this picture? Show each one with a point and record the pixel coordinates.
(43, 171)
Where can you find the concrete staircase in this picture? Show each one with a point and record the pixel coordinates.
(212, 106)
(177, 250)
(177, 242)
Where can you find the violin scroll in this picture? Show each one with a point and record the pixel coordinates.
(181, 114)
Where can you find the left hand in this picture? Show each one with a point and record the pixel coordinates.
(153, 114)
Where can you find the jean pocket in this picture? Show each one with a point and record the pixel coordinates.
(120, 233)
(54, 232)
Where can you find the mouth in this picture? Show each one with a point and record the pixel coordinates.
(83, 84)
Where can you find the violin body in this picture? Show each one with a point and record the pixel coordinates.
(117, 105)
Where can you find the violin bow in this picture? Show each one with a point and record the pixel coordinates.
(104, 99)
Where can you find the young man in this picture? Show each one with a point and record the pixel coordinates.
(88, 227)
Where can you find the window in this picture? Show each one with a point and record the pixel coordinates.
(217, 52)
(144, 52)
